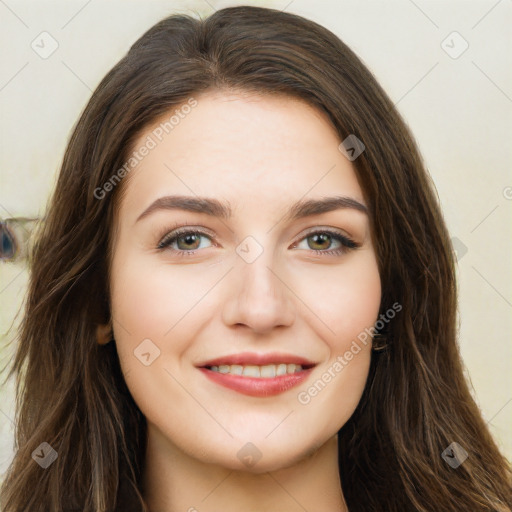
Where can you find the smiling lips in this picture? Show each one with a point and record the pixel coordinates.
(257, 374)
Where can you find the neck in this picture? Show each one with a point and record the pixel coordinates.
(174, 481)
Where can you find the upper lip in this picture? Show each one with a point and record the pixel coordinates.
(252, 358)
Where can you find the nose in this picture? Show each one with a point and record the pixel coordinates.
(262, 299)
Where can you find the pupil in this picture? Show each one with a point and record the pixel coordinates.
(189, 239)
(323, 237)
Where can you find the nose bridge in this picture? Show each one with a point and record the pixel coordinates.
(261, 300)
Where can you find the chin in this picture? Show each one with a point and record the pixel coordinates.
(261, 457)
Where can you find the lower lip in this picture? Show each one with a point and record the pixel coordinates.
(254, 386)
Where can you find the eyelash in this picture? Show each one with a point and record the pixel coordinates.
(347, 244)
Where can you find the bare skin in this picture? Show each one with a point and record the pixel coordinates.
(259, 155)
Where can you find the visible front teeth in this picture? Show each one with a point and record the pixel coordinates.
(268, 371)
(251, 371)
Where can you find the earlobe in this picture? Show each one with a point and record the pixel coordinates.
(104, 333)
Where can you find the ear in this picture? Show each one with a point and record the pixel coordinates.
(104, 333)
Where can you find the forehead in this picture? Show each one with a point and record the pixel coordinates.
(247, 148)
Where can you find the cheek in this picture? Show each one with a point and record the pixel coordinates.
(152, 308)
(345, 299)
(346, 306)
(144, 307)
(150, 298)
(165, 304)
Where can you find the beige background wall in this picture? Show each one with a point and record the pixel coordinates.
(457, 101)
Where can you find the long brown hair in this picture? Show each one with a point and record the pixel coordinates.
(71, 391)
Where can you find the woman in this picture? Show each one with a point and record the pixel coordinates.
(303, 355)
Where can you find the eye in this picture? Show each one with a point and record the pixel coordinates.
(321, 242)
(186, 240)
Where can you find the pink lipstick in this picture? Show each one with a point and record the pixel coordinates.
(258, 375)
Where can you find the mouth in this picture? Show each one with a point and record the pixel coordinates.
(269, 371)
(256, 374)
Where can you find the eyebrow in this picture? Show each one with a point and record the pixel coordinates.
(223, 210)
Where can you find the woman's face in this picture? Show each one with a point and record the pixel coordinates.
(260, 286)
